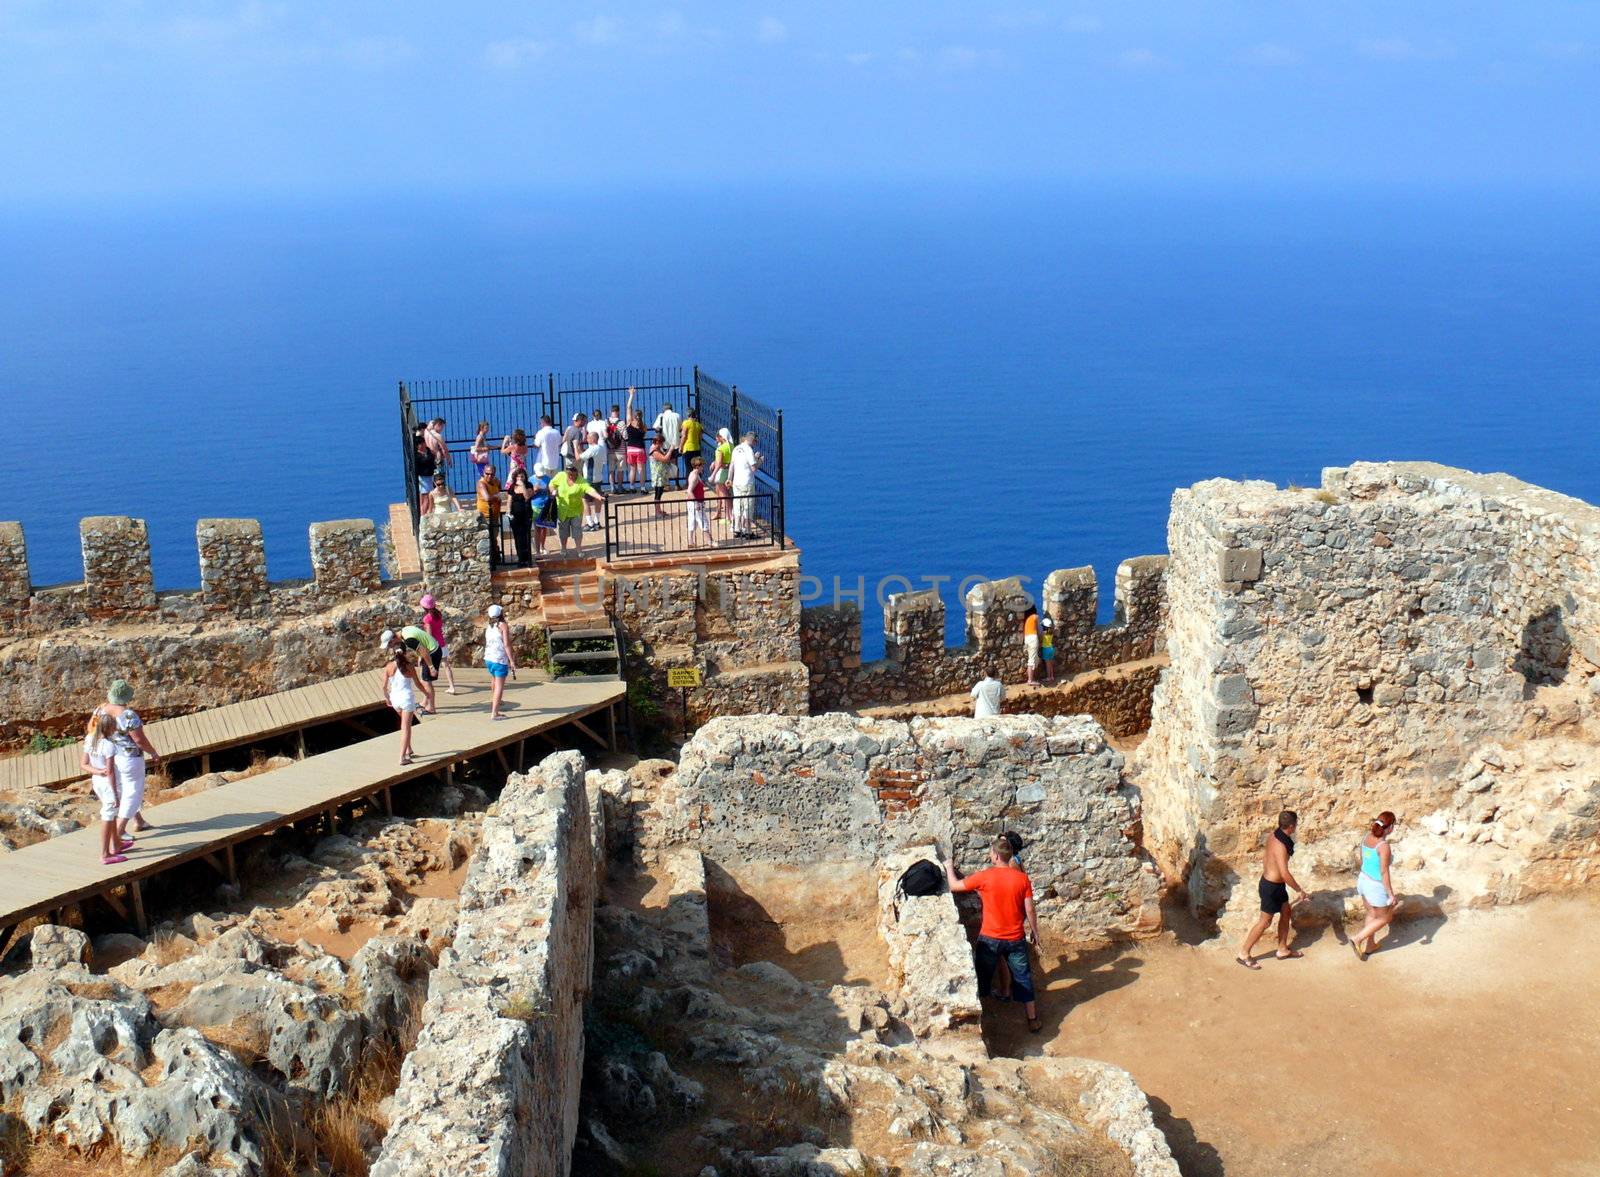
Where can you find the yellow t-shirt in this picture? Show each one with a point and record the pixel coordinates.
(690, 436)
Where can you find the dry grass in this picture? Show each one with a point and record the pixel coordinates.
(1326, 496)
(524, 1007)
(344, 1127)
(167, 947)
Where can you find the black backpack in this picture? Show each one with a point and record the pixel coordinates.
(922, 878)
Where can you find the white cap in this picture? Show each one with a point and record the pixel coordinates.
(383, 642)
(495, 610)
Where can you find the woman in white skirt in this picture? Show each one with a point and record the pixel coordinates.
(99, 760)
(1374, 886)
(133, 753)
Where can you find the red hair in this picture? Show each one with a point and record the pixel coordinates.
(1383, 825)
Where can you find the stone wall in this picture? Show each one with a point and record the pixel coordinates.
(491, 1088)
(239, 635)
(834, 789)
(740, 626)
(1342, 651)
(918, 665)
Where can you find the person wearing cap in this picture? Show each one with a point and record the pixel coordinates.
(433, 622)
(415, 639)
(498, 659)
(133, 750)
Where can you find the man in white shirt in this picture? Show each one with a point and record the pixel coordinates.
(595, 451)
(987, 694)
(669, 427)
(745, 462)
(547, 443)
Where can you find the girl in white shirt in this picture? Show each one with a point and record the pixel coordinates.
(99, 760)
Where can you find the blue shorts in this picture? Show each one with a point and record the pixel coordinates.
(1048, 653)
(498, 669)
(991, 952)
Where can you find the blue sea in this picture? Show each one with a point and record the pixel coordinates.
(977, 380)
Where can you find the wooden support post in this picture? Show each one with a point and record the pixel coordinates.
(611, 726)
(388, 801)
(233, 867)
(205, 764)
(140, 924)
(505, 765)
(587, 730)
(522, 754)
(115, 904)
(300, 741)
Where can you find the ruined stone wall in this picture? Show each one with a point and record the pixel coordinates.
(740, 626)
(491, 1088)
(918, 665)
(831, 789)
(1344, 650)
(239, 636)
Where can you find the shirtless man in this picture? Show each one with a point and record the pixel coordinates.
(436, 443)
(1276, 879)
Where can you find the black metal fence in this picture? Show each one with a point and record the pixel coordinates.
(507, 403)
(636, 528)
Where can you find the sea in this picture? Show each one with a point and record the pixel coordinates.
(978, 379)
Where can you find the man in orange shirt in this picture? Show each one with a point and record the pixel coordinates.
(1007, 896)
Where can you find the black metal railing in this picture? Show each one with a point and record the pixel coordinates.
(508, 403)
(637, 528)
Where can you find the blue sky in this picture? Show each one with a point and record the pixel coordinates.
(123, 98)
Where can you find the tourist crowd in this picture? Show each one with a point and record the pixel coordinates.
(555, 484)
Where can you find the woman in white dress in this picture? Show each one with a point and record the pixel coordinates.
(497, 657)
(400, 692)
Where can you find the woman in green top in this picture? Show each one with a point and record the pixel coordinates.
(722, 475)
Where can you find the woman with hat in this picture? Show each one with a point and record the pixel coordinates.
(133, 751)
(433, 623)
(497, 657)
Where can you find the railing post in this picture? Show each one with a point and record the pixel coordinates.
(733, 412)
(551, 405)
(694, 392)
(610, 507)
(408, 455)
(783, 530)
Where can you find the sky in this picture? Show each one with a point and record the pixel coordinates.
(136, 100)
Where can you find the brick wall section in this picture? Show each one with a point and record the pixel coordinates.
(491, 1088)
(1344, 650)
(918, 665)
(117, 580)
(832, 789)
(344, 558)
(233, 567)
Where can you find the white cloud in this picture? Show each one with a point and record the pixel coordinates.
(1140, 59)
(598, 30)
(1271, 53)
(771, 30)
(377, 51)
(1083, 22)
(859, 59)
(1401, 49)
(514, 54)
(965, 57)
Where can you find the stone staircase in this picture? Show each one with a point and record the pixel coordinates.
(572, 594)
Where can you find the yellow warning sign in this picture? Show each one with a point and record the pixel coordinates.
(683, 676)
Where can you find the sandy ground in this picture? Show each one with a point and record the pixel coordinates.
(1466, 1046)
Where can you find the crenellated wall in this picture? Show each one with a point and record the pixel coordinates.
(919, 665)
(238, 636)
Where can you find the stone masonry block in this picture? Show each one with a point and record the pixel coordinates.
(913, 626)
(15, 582)
(1237, 565)
(994, 613)
(116, 567)
(455, 560)
(233, 566)
(344, 557)
(1071, 599)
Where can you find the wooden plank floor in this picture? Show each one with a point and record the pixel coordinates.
(67, 869)
(217, 727)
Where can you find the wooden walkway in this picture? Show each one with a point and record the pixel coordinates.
(229, 726)
(63, 871)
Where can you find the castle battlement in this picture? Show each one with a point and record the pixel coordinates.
(118, 584)
(918, 664)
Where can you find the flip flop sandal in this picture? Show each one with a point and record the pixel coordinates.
(1246, 964)
(126, 844)
(1355, 947)
(1293, 955)
(112, 859)
(1035, 1025)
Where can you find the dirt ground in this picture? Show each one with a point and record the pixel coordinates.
(1466, 1046)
